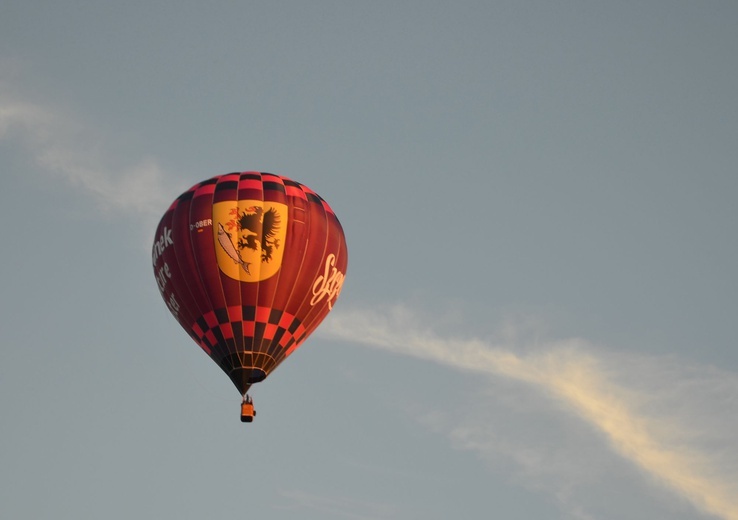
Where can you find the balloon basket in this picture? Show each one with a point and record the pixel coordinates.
(247, 412)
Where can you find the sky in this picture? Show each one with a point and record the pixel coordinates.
(540, 311)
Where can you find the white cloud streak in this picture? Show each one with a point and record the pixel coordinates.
(60, 146)
(674, 422)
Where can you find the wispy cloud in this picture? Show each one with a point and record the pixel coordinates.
(60, 145)
(673, 421)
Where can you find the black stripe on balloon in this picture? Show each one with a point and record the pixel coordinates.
(276, 186)
(219, 336)
(186, 195)
(237, 327)
(203, 324)
(227, 185)
(274, 316)
(294, 184)
(259, 329)
(248, 313)
(222, 315)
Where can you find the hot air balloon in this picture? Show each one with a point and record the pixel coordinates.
(249, 264)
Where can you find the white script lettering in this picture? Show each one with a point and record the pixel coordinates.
(329, 283)
(164, 241)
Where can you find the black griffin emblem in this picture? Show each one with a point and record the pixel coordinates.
(256, 230)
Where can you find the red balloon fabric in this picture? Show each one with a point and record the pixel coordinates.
(249, 264)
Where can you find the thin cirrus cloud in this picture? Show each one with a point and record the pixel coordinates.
(61, 146)
(671, 420)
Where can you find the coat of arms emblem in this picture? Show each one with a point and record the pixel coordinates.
(249, 236)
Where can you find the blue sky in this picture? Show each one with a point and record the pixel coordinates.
(539, 314)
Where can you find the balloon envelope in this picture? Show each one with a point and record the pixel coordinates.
(249, 264)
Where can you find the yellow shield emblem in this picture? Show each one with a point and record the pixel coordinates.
(249, 238)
